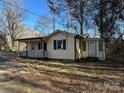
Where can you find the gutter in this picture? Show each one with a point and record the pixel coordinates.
(75, 48)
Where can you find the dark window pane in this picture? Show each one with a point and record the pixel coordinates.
(54, 43)
(64, 44)
(100, 45)
(32, 46)
(84, 45)
(45, 46)
(40, 46)
(59, 44)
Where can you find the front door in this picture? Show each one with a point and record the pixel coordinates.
(92, 48)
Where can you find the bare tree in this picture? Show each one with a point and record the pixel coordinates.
(43, 25)
(76, 9)
(3, 43)
(55, 9)
(11, 20)
(108, 15)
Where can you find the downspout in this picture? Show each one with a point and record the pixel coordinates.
(105, 49)
(43, 48)
(67, 45)
(95, 49)
(88, 46)
(27, 49)
(81, 44)
(18, 48)
(37, 48)
(75, 48)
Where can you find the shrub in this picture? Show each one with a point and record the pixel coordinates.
(116, 51)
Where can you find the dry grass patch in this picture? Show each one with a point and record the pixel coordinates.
(35, 76)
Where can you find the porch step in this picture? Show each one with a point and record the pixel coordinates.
(92, 58)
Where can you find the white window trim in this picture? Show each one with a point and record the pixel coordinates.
(61, 44)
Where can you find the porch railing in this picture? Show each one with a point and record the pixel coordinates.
(33, 53)
(22, 54)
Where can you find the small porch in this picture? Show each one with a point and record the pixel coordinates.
(34, 47)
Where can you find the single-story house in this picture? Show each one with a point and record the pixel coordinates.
(63, 45)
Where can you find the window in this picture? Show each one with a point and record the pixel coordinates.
(54, 43)
(64, 44)
(59, 44)
(40, 46)
(100, 45)
(84, 45)
(32, 46)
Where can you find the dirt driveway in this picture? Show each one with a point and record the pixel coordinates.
(35, 76)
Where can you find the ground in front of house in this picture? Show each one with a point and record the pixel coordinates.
(35, 76)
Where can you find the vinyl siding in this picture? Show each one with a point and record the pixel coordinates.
(60, 53)
(85, 53)
(99, 54)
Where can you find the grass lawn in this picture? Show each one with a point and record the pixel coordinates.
(36, 76)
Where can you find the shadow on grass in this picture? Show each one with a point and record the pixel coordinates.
(60, 81)
(76, 83)
(76, 77)
(7, 56)
(89, 65)
(11, 90)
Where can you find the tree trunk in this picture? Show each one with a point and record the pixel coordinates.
(81, 29)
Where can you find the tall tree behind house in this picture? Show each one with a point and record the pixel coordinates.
(76, 10)
(11, 20)
(43, 25)
(108, 16)
(55, 10)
